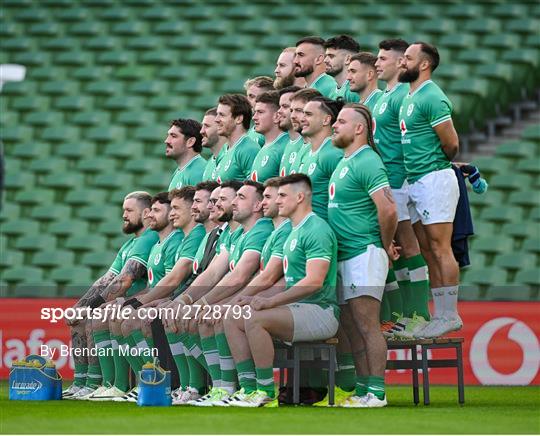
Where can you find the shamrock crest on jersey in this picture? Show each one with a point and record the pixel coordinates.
(343, 172)
(292, 157)
(264, 161)
(383, 108)
(410, 109)
(293, 244)
(157, 259)
(311, 169)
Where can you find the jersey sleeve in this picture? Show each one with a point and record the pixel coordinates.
(190, 245)
(438, 110)
(246, 155)
(255, 240)
(320, 245)
(374, 175)
(117, 264)
(277, 247)
(142, 248)
(169, 255)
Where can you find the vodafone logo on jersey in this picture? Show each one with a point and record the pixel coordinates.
(521, 343)
(403, 127)
(332, 190)
(254, 176)
(375, 124)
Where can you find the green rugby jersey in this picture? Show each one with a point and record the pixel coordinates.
(190, 174)
(138, 249)
(387, 135)
(210, 170)
(312, 239)
(372, 98)
(273, 247)
(325, 84)
(267, 161)
(289, 155)
(163, 257)
(351, 211)
(319, 166)
(297, 162)
(189, 245)
(237, 161)
(419, 114)
(344, 91)
(228, 238)
(252, 240)
(255, 136)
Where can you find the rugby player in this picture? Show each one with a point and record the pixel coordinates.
(410, 268)
(255, 87)
(430, 142)
(362, 77)
(267, 122)
(307, 310)
(212, 141)
(309, 64)
(294, 140)
(284, 71)
(362, 212)
(233, 119)
(338, 52)
(184, 145)
(321, 158)
(126, 276)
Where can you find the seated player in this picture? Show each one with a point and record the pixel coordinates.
(126, 276)
(307, 310)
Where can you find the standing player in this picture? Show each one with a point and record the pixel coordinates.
(184, 145)
(363, 215)
(430, 142)
(255, 87)
(321, 158)
(125, 276)
(266, 122)
(233, 118)
(410, 268)
(295, 140)
(307, 310)
(284, 72)
(212, 141)
(362, 76)
(339, 50)
(309, 64)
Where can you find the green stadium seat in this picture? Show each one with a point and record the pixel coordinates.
(527, 26)
(29, 103)
(98, 260)
(144, 43)
(514, 262)
(90, 118)
(114, 58)
(533, 41)
(72, 14)
(10, 259)
(117, 14)
(198, 13)
(136, 118)
(437, 26)
(241, 13)
(63, 275)
(85, 243)
(49, 213)
(56, 134)
(507, 11)
(47, 166)
(84, 197)
(508, 293)
(62, 180)
(492, 245)
(458, 41)
(123, 153)
(129, 28)
(86, 29)
(212, 27)
(121, 102)
(522, 230)
(18, 274)
(114, 181)
(488, 276)
(95, 214)
(501, 41)
(31, 243)
(469, 293)
(44, 29)
(72, 103)
(532, 245)
(105, 134)
(151, 134)
(77, 151)
(477, 56)
(502, 214)
(66, 228)
(43, 289)
(116, 242)
(20, 227)
(15, 181)
(85, 74)
(25, 151)
(30, 15)
(156, 13)
(461, 12)
(526, 199)
(110, 228)
(148, 88)
(529, 276)
(170, 28)
(259, 26)
(532, 134)
(105, 88)
(96, 165)
(131, 73)
(71, 59)
(34, 197)
(101, 43)
(483, 26)
(231, 42)
(510, 182)
(42, 119)
(9, 212)
(155, 182)
(142, 166)
(61, 44)
(19, 88)
(490, 165)
(15, 134)
(52, 258)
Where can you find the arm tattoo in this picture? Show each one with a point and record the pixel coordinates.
(96, 289)
(78, 341)
(133, 270)
(388, 194)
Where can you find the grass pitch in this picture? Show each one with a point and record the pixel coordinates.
(496, 410)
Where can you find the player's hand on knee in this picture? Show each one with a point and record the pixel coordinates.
(261, 303)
